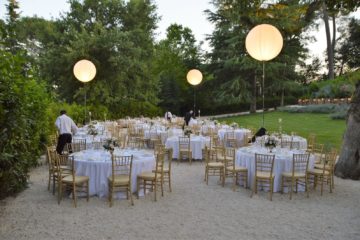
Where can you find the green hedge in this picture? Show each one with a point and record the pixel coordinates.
(23, 122)
(244, 107)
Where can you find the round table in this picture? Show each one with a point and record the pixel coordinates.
(239, 133)
(197, 144)
(97, 165)
(245, 157)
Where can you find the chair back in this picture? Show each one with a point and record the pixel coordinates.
(230, 135)
(229, 157)
(51, 157)
(285, 143)
(184, 143)
(65, 159)
(121, 165)
(159, 167)
(77, 145)
(295, 145)
(311, 141)
(98, 145)
(330, 160)
(300, 163)
(264, 163)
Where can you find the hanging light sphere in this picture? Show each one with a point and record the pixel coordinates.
(194, 77)
(84, 70)
(264, 42)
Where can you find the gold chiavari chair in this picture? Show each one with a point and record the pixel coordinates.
(264, 165)
(72, 181)
(120, 179)
(184, 149)
(230, 140)
(232, 171)
(295, 145)
(161, 149)
(297, 175)
(325, 173)
(213, 168)
(311, 140)
(154, 179)
(98, 145)
(318, 150)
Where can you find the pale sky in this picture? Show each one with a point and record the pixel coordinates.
(189, 13)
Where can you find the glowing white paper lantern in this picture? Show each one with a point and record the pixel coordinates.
(84, 70)
(264, 42)
(194, 77)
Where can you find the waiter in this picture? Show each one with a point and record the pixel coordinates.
(66, 127)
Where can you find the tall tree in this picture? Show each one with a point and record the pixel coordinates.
(330, 10)
(235, 73)
(118, 37)
(175, 55)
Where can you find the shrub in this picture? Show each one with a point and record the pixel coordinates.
(23, 126)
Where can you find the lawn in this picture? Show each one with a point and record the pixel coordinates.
(328, 131)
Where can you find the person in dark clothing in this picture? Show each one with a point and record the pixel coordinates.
(66, 128)
(259, 133)
(187, 117)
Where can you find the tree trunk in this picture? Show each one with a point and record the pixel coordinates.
(253, 95)
(330, 52)
(348, 165)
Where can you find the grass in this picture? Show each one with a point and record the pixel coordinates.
(328, 131)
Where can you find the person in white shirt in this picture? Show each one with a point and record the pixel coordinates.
(168, 116)
(66, 127)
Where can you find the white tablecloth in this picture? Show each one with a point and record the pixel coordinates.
(283, 162)
(97, 165)
(162, 133)
(239, 134)
(302, 141)
(197, 143)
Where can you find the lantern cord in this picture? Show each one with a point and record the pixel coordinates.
(85, 103)
(263, 95)
(194, 103)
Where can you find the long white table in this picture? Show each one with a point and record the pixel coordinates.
(97, 165)
(245, 156)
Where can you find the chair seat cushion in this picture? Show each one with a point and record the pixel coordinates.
(215, 164)
(317, 171)
(321, 166)
(119, 179)
(148, 175)
(237, 169)
(78, 179)
(296, 174)
(261, 174)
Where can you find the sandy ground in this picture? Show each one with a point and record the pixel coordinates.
(192, 211)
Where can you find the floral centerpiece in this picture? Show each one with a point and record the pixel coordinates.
(110, 144)
(187, 132)
(270, 142)
(92, 130)
(234, 125)
(216, 122)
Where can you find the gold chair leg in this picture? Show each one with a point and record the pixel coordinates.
(234, 182)
(87, 191)
(138, 187)
(74, 195)
(131, 197)
(271, 188)
(170, 182)
(291, 187)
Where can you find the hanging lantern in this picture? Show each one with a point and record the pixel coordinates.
(264, 42)
(84, 70)
(194, 77)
